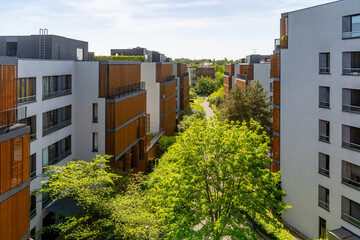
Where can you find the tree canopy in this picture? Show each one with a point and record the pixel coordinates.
(212, 178)
(251, 103)
(205, 85)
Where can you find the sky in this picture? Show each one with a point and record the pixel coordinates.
(194, 29)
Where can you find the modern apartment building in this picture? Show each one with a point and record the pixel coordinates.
(149, 56)
(14, 161)
(182, 86)
(256, 67)
(161, 96)
(205, 72)
(316, 72)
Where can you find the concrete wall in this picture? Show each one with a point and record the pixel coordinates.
(262, 74)
(148, 75)
(87, 92)
(310, 32)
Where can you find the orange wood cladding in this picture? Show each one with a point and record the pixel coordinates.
(14, 168)
(276, 147)
(206, 72)
(171, 129)
(276, 87)
(275, 167)
(275, 66)
(230, 69)
(276, 120)
(248, 70)
(7, 93)
(163, 71)
(123, 111)
(166, 106)
(284, 32)
(241, 84)
(14, 216)
(168, 120)
(119, 75)
(184, 82)
(117, 142)
(228, 81)
(166, 90)
(185, 104)
(181, 69)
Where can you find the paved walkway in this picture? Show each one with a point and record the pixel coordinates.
(208, 111)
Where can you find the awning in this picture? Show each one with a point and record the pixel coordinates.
(64, 207)
(342, 234)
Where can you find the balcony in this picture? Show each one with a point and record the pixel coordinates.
(350, 219)
(350, 108)
(128, 89)
(11, 53)
(351, 71)
(60, 157)
(169, 79)
(351, 63)
(354, 34)
(227, 73)
(27, 99)
(56, 127)
(11, 116)
(241, 76)
(49, 95)
(351, 146)
(351, 182)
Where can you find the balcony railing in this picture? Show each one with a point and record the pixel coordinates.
(227, 73)
(350, 219)
(351, 34)
(324, 138)
(169, 79)
(351, 182)
(11, 116)
(27, 99)
(324, 171)
(32, 213)
(323, 204)
(324, 70)
(351, 108)
(277, 43)
(241, 76)
(351, 71)
(128, 89)
(59, 93)
(32, 175)
(11, 53)
(60, 157)
(352, 146)
(56, 127)
(324, 104)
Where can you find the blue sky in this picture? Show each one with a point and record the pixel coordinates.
(183, 28)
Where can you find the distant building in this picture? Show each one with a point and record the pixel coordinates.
(205, 72)
(149, 56)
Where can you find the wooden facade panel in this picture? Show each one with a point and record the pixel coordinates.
(167, 90)
(184, 82)
(284, 32)
(276, 93)
(123, 111)
(103, 80)
(184, 93)
(168, 120)
(5, 165)
(226, 89)
(163, 71)
(276, 147)
(181, 69)
(121, 139)
(168, 105)
(241, 83)
(26, 156)
(171, 130)
(206, 72)
(247, 70)
(227, 81)
(276, 120)
(7, 94)
(275, 167)
(275, 66)
(14, 216)
(230, 69)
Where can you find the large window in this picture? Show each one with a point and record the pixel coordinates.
(351, 174)
(95, 147)
(324, 131)
(324, 97)
(324, 63)
(351, 63)
(324, 164)
(351, 137)
(351, 26)
(57, 151)
(55, 86)
(32, 166)
(350, 211)
(95, 113)
(32, 206)
(351, 100)
(26, 90)
(56, 119)
(324, 197)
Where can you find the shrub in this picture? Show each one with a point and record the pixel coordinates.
(205, 85)
(192, 93)
(164, 143)
(217, 97)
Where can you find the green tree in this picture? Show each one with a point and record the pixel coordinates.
(212, 177)
(205, 85)
(251, 103)
(217, 97)
(219, 78)
(110, 206)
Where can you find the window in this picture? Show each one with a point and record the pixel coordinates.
(324, 164)
(95, 113)
(351, 137)
(351, 63)
(351, 100)
(56, 86)
(31, 121)
(32, 206)
(324, 63)
(11, 49)
(271, 87)
(322, 228)
(33, 166)
(351, 26)
(324, 97)
(351, 174)
(350, 211)
(324, 198)
(324, 131)
(17, 163)
(95, 142)
(56, 119)
(26, 90)
(271, 99)
(57, 151)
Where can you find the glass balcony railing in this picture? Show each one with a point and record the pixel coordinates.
(351, 34)
(32, 213)
(48, 95)
(323, 204)
(27, 99)
(128, 89)
(324, 70)
(324, 171)
(351, 71)
(324, 104)
(12, 116)
(351, 108)
(324, 138)
(352, 146)
(351, 182)
(350, 219)
(56, 127)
